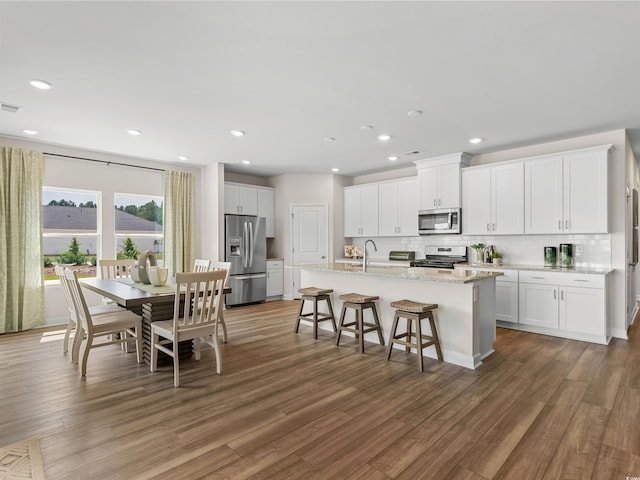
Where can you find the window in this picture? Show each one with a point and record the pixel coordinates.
(70, 230)
(138, 224)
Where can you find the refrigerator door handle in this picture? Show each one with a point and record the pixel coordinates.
(245, 249)
(248, 277)
(250, 244)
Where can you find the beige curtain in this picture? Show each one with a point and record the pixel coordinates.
(178, 222)
(21, 270)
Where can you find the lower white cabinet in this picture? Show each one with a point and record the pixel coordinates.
(507, 296)
(275, 278)
(569, 305)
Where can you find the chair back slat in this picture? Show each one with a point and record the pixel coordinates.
(65, 290)
(201, 265)
(202, 286)
(222, 266)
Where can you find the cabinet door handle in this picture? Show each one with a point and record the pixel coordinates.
(493, 227)
(559, 224)
(554, 295)
(561, 294)
(538, 278)
(435, 203)
(488, 227)
(579, 280)
(566, 224)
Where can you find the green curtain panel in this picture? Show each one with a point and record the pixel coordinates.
(178, 221)
(21, 272)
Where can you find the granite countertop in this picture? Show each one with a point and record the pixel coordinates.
(406, 273)
(381, 261)
(536, 268)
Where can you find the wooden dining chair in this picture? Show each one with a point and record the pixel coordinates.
(73, 320)
(226, 266)
(201, 265)
(90, 328)
(199, 324)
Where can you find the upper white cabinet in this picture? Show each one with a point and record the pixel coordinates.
(267, 209)
(242, 199)
(398, 208)
(567, 193)
(492, 200)
(439, 181)
(361, 211)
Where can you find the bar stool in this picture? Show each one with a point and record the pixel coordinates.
(315, 295)
(414, 311)
(359, 303)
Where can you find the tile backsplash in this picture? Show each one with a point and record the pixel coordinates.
(588, 250)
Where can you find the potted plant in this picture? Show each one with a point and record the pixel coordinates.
(479, 248)
(496, 257)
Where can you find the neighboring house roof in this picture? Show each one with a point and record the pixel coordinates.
(84, 219)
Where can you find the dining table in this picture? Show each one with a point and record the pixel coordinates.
(152, 303)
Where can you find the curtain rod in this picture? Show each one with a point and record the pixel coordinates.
(104, 161)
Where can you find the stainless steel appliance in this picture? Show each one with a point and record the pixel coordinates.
(246, 249)
(441, 221)
(441, 257)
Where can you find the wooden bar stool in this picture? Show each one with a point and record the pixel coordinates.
(359, 327)
(315, 295)
(414, 311)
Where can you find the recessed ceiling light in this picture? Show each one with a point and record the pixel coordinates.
(41, 84)
(475, 140)
(134, 132)
(329, 139)
(183, 158)
(415, 113)
(246, 162)
(393, 158)
(29, 132)
(366, 127)
(384, 137)
(238, 133)
(334, 170)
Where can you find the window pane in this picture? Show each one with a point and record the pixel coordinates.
(131, 246)
(138, 214)
(69, 210)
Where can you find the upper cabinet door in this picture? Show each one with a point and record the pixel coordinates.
(449, 186)
(408, 207)
(429, 185)
(267, 209)
(476, 201)
(351, 212)
(543, 195)
(248, 200)
(507, 199)
(585, 192)
(369, 210)
(388, 209)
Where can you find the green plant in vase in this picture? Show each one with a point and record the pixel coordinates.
(496, 256)
(479, 248)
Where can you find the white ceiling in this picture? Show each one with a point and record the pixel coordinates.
(293, 73)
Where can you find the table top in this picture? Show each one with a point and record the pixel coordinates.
(127, 295)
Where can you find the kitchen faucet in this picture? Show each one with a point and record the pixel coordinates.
(364, 253)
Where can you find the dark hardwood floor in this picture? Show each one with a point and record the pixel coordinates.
(289, 407)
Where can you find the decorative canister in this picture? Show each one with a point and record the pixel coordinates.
(550, 256)
(566, 255)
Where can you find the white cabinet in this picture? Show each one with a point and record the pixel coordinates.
(439, 181)
(275, 278)
(240, 199)
(361, 211)
(398, 208)
(267, 209)
(492, 200)
(573, 304)
(507, 297)
(567, 193)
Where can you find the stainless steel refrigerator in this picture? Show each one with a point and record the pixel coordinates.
(246, 249)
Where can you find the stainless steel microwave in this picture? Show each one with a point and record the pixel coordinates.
(440, 221)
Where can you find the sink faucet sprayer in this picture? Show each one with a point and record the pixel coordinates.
(364, 254)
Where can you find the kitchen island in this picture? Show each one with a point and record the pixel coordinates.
(465, 317)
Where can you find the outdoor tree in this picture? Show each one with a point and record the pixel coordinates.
(89, 204)
(62, 203)
(73, 254)
(129, 250)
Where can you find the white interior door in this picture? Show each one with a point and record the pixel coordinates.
(310, 239)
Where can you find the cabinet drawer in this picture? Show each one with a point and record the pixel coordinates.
(509, 276)
(275, 265)
(538, 277)
(564, 279)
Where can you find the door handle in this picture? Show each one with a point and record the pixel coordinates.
(250, 244)
(245, 251)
